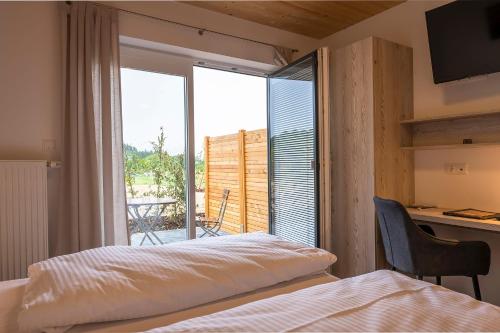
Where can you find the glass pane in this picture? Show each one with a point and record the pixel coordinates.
(231, 144)
(153, 108)
(292, 129)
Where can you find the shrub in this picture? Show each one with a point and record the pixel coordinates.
(134, 166)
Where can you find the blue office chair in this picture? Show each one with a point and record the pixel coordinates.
(408, 248)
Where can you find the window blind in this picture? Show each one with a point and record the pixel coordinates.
(293, 152)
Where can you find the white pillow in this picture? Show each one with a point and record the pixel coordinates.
(124, 282)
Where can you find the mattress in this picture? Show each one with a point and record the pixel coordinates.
(11, 293)
(381, 301)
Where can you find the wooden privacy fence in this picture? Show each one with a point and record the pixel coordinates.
(238, 162)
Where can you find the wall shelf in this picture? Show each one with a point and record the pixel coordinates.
(457, 146)
(448, 132)
(451, 117)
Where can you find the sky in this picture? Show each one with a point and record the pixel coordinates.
(224, 103)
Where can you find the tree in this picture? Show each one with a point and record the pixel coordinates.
(176, 181)
(134, 151)
(157, 164)
(167, 172)
(133, 167)
(199, 171)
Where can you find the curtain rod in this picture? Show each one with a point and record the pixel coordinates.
(201, 31)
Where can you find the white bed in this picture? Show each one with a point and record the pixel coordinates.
(245, 283)
(11, 293)
(119, 283)
(381, 301)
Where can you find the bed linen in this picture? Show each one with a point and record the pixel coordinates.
(144, 324)
(11, 296)
(123, 282)
(11, 293)
(380, 301)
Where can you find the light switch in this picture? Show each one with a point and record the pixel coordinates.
(49, 145)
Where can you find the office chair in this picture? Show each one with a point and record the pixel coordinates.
(410, 249)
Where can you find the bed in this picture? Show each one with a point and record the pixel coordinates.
(252, 282)
(11, 295)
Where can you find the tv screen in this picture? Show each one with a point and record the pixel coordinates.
(464, 39)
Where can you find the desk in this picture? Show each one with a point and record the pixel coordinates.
(435, 215)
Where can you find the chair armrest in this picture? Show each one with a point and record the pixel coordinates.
(441, 257)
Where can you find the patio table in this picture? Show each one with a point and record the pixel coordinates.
(142, 212)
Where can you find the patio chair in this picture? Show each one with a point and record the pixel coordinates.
(211, 226)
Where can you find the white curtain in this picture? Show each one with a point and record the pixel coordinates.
(92, 197)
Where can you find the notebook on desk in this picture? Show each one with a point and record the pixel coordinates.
(471, 213)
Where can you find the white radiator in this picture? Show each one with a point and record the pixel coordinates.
(23, 216)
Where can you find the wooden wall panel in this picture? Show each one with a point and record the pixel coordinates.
(257, 218)
(393, 101)
(222, 174)
(353, 165)
(233, 160)
(372, 92)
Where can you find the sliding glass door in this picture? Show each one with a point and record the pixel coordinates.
(293, 152)
(160, 155)
(157, 137)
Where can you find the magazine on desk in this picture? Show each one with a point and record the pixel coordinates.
(472, 214)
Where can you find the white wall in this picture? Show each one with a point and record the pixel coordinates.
(30, 80)
(161, 32)
(31, 86)
(405, 24)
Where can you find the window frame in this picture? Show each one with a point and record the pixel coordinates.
(164, 63)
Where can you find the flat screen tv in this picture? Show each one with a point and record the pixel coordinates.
(464, 39)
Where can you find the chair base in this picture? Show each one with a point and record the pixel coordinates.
(477, 291)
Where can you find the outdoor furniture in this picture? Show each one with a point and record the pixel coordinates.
(412, 250)
(147, 212)
(211, 226)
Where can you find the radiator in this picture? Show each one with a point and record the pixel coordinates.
(23, 216)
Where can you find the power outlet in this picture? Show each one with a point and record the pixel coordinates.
(457, 169)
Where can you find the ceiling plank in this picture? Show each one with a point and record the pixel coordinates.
(317, 19)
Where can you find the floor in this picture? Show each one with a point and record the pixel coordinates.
(166, 236)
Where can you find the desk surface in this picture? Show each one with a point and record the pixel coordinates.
(435, 215)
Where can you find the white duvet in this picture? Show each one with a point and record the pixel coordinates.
(381, 301)
(122, 282)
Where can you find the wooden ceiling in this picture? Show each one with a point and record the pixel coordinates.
(317, 19)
